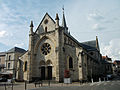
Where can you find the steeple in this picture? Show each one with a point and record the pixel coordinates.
(31, 28)
(64, 21)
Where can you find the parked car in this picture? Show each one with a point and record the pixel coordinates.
(3, 79)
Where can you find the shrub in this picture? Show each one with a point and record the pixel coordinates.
(66, 74)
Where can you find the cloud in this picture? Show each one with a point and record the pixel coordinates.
(95, 15)
(13, 25)
(3, 47)
(3, 33)
(97, 27)
(112, 49)
(98, 20)
(19, 45)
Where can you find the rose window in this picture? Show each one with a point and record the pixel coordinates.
(45, 48)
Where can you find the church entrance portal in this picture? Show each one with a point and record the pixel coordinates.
(46, 73)
(49, 70)
(46, 70)
(43, 73)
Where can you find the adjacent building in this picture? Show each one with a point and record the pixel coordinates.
(116, 67)
(9, 60)
(107, 65)
(2, 61)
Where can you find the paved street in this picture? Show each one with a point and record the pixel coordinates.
(105, 85)
(108, 85)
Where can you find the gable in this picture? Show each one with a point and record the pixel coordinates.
(47, 24)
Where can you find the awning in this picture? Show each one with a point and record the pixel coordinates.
(6, 73)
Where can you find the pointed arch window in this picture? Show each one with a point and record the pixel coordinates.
(70, 62)
(25, 69)
(45, 29)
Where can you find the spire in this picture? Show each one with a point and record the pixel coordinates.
(31, 28)
(64, 21)
(97, 44)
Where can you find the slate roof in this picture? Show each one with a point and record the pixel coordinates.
(16, 49)
(2, 53)
(90, 43)
(87, 47)
(117, 62)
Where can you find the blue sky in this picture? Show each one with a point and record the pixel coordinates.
(85, 19)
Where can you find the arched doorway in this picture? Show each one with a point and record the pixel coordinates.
(49, 70)
(42, 70)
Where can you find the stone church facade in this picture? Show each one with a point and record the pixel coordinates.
(52, 50)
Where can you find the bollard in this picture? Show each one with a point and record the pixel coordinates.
(5, 86)
(80, 82)
(92, 80)
(49, 82)
(99, 79)
(104, 78)
(107, 78)
(12, 85)
(25, 85)
(41, 83)
(35, 84)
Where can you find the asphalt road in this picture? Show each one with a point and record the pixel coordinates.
(107, 85)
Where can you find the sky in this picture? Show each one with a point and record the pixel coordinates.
(85, 19)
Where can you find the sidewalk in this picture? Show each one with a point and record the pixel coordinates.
(17, 86)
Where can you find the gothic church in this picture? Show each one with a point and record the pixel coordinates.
(52, 50)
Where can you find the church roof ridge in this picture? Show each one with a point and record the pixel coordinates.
(89, 41)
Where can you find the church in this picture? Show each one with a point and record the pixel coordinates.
(52, 50)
